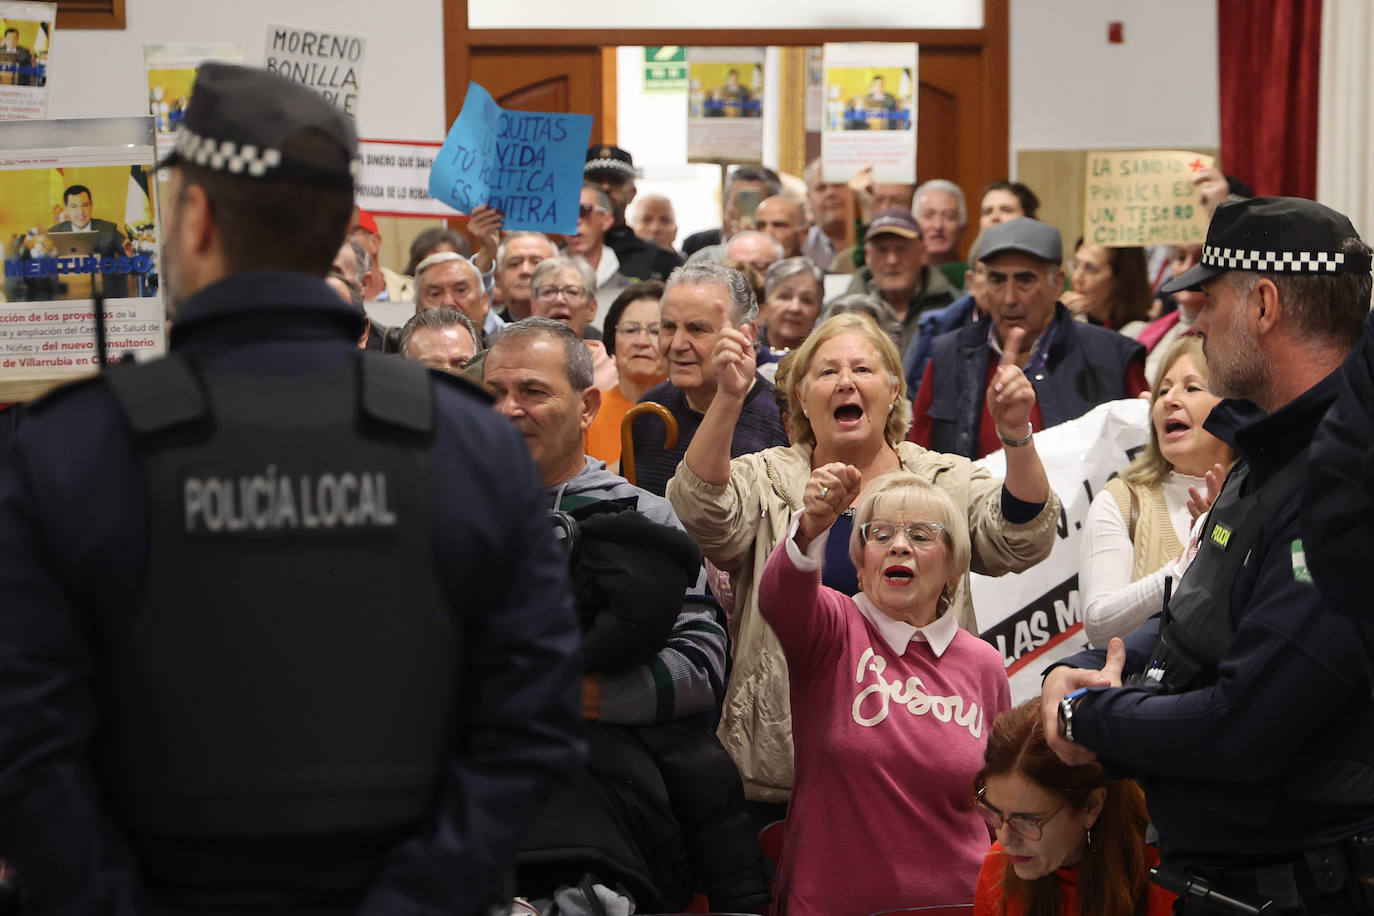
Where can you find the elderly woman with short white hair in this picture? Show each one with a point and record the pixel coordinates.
(793, 290)
(891, 701)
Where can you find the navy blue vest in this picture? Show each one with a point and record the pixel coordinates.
(1086, 367)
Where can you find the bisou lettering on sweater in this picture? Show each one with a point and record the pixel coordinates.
(910, 693)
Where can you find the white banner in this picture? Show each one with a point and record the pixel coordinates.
(1035, 618)
(394, 180)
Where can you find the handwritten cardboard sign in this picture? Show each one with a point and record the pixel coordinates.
(328, 62)
(526, 164)
(1143, 198)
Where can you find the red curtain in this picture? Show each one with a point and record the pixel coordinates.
(1269, 53)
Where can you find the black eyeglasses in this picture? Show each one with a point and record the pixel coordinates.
(1026, 825)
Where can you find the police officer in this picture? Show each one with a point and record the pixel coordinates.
(1247, 713)
(284, 626)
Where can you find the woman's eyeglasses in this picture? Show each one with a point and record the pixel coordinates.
(1025, 825)
(917, 533)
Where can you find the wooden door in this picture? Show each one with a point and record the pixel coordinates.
(950, 139)
(568, 79)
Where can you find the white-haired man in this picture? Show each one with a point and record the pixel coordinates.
(446, 278)
(942, 214)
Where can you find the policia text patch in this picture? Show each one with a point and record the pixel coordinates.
(274, 502)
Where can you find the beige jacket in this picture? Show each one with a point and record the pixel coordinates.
(740, 523)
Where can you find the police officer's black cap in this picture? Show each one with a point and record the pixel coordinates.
(1274, 235)
(241, 121)
(612, 159)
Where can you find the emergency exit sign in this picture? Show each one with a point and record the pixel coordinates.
(665, 68)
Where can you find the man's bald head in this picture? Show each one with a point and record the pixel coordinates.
(783, 219)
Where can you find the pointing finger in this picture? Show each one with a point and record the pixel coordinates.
(1011, 347)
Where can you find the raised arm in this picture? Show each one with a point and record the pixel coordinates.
(1010, 398)
(708, 455)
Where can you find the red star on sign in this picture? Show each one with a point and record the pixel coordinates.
(1195, 165)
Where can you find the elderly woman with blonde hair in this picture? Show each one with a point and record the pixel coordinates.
(847, 403)
(891, 700)
(1136, 537)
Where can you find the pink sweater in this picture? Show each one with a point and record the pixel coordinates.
(887, 745)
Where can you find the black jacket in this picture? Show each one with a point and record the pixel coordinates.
(639, 258)
(1338, 517)
(1266, 736)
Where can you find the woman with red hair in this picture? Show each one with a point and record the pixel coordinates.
(1070, 841)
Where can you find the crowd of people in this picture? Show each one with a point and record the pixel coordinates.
(672, 553)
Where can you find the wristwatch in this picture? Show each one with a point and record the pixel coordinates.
(1066, 709)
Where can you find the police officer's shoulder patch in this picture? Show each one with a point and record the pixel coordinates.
(1300, 571)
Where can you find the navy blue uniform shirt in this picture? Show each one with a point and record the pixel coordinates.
(1293, 680)
(73, 549)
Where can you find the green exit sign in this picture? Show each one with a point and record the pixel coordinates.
(665, 68)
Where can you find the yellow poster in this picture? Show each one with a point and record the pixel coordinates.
(80, 241)
(725, 105)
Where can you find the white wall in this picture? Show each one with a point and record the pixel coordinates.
(101, 73)
(1070, 89)
(754, 14)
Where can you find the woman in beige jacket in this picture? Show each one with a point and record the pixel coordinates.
(846, 400)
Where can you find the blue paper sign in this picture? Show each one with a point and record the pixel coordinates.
(527, 164)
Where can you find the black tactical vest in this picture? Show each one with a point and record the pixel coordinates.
(1336, 766)
(1198, 628)
(291, 667)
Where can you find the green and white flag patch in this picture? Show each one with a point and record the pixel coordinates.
(1300, 572)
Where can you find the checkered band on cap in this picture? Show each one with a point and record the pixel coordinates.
(1296, 262)
(609, 165)
(225, 155)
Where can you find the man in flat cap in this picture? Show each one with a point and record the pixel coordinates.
(1246, 712)
(612, 169)
(1073, 366)
(285, 628)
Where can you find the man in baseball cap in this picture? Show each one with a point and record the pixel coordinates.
(1246, 711)
(896, 272)
(1072, 366)
(285, 629)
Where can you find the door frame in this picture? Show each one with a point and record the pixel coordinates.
(992, 43)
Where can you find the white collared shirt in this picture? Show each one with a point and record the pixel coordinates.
(608, 267)
(898, 634)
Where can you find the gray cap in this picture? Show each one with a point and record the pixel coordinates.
(1028, 236)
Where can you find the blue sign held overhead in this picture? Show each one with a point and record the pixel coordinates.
(526, 164)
